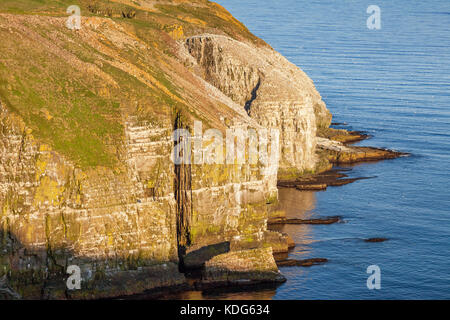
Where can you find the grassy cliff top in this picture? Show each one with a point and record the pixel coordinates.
(76, 89)
(194, 16)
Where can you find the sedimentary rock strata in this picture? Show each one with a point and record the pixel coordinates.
(86, 140)
(326, 220)
(273, 91)
(238, 265)
(338, 153)
(301, 263)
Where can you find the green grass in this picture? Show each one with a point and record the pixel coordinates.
(63, 104)
(232, 28)
(60, 103)
(36, 6)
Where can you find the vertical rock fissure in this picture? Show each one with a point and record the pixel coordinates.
(183, 198)
(248, 103)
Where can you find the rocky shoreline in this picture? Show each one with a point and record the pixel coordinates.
(209, 276)
(337, 150)
(87, 174)
(215, 268)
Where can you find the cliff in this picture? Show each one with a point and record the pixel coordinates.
(273, 91)
(86, 138)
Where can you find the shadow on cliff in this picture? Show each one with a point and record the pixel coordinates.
(36, 273)
(30, 273)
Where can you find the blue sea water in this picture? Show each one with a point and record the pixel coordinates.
(393, 83)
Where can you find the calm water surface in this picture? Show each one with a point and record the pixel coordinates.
(393, 83)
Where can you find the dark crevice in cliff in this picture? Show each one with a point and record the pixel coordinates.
(183, 198)
(248, 103)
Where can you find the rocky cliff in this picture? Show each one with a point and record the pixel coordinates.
(273, 91)
(86, 137)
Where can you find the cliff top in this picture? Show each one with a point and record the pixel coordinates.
(194, 16)
(76, 89)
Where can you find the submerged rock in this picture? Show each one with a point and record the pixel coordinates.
(301, 263)
(326, 220)
(320, 181)
(313, 187)
(376, 240)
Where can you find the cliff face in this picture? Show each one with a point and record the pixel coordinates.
(274, 92)
(86, 138)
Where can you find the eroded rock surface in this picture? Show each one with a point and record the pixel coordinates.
(273, 91)
(86, 123)
(339, 153)
(243, 265)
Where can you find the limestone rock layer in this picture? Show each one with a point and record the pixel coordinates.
(273, 91)
(86, 141)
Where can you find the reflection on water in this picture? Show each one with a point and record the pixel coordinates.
(260, 292)
(297, 204)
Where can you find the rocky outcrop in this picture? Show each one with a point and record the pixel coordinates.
(320, 181)
(338, 153)
(326, 220)
(256, 265)
(301, 263)
(274, 92)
